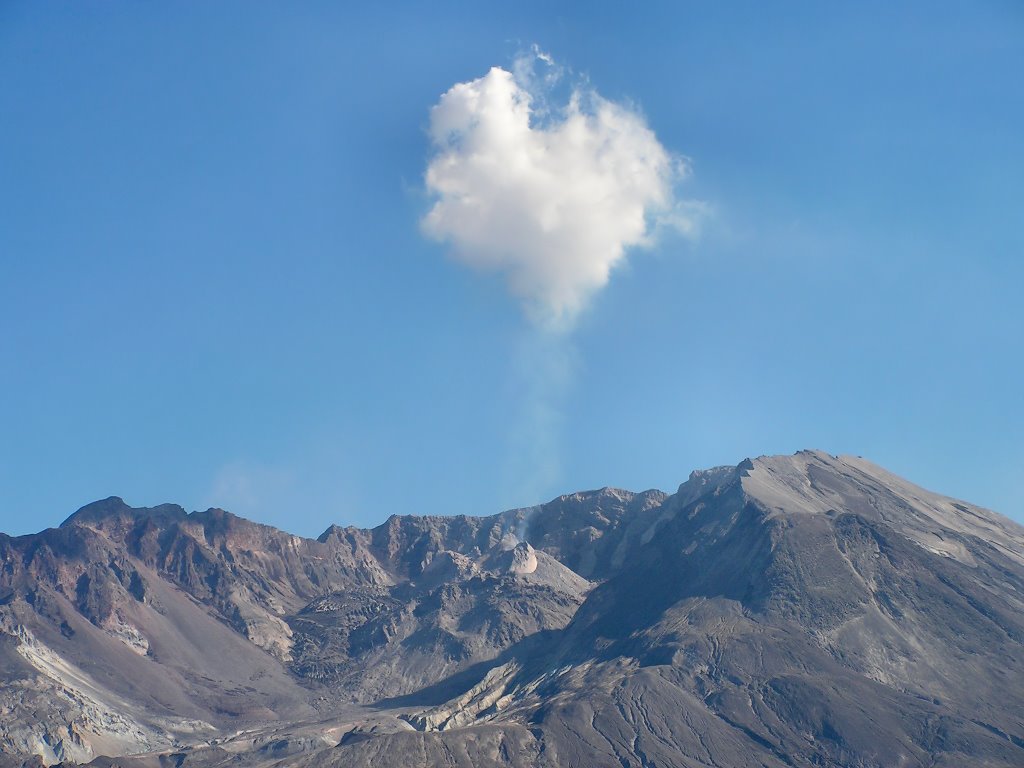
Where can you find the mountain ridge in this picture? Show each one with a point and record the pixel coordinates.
(789, 610)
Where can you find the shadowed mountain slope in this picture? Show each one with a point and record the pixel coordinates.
(800, 610)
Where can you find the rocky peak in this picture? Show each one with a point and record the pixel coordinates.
(817, 483)
(113, 510)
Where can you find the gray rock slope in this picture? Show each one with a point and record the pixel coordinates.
(804, 610)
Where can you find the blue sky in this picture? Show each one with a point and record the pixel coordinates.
(215, 289)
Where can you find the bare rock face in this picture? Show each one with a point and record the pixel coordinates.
(524, 560)
(805, 610)
(459, 610)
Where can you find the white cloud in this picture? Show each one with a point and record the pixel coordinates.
(549, 196)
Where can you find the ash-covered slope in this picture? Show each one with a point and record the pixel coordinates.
(790, 611)
(798, 610)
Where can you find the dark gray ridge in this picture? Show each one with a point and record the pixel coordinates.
(114, 507)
